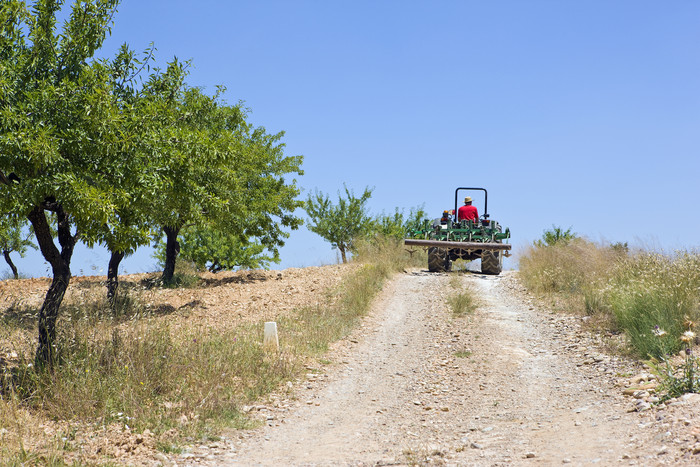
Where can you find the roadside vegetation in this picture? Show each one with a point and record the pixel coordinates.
(651, 300)
(147, 373)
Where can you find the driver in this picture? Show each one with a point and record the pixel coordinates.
(467, 212)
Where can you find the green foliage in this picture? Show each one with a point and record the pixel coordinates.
(115, 159)
(216, 251)
(398, 224)
(556, 235)
(223, 173)
(57, 131)
(341, 224)
(14, 237)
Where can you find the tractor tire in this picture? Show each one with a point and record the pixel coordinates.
(491, 262)
(438, 260)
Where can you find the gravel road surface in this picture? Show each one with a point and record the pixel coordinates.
(510, 384)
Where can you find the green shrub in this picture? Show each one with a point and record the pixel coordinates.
(556, 236)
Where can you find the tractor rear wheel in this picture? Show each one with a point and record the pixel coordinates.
(438, 260)
(491, 262)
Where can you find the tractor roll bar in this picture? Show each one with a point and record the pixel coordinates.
(486, 199)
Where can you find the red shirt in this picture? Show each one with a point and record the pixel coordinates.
(467, 212)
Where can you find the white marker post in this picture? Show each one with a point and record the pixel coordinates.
(271, 341)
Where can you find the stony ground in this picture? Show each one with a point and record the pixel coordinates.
(224, 300)
(511, 384)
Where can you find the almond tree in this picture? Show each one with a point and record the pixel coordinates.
(340, 224)
(216, 251)
(222, 175)
(136, 171)
(57, 134)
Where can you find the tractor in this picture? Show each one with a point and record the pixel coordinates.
(448, 239)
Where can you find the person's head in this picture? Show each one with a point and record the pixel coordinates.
(468, 200)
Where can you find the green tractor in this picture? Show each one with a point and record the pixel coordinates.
(448, 239)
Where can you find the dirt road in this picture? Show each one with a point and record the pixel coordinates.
(509, 385)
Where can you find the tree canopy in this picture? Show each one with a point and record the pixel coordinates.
(340, 224)
(114, 157)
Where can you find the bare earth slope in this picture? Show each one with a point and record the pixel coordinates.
(509, 385)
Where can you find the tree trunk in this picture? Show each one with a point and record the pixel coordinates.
(113, 276)
(60, 265)
(172, 249)
(6, 254)
(342, 254)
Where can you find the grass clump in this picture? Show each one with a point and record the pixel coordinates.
(650, 291)
(633, 293)
(577, 266)
(462, 303)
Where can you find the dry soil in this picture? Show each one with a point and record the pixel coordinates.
(511, 384)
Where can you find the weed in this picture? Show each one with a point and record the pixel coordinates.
(463, 354)
(684, 378)
(463, 303)
(168, 448)
(423, 456)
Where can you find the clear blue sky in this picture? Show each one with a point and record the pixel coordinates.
(581, 114)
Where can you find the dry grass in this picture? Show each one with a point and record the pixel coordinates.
(463, 301)
(636, 293)
(572, 267)
(652, 291)
(135, 369)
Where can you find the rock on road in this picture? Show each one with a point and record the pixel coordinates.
(508, 385)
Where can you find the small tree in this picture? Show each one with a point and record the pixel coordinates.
(556, 235)
(397, 225)
(340, 224)
(14, 238)
(222, 173)
(217, 251)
